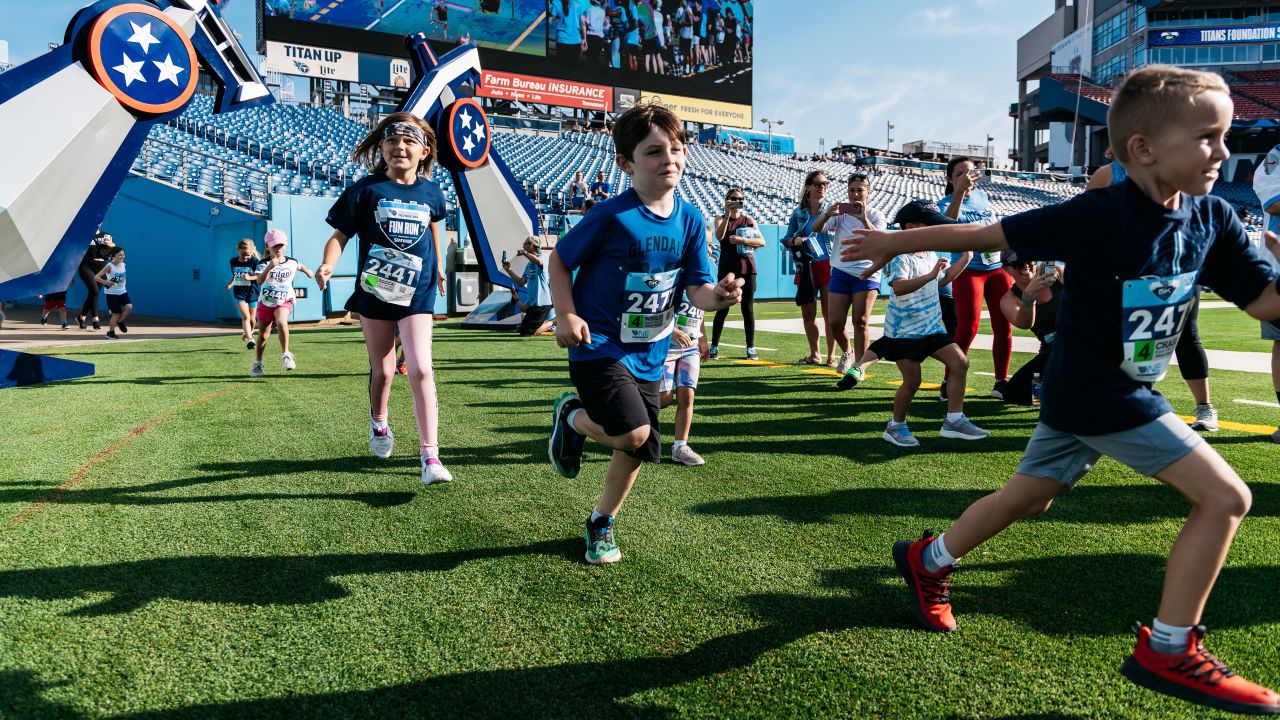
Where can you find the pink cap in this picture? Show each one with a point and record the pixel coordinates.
(274, 237)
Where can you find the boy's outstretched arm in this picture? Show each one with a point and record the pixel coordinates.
(712, 298)
(880, 246)
(571, 330)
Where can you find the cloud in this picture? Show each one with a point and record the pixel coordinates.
(944, 22)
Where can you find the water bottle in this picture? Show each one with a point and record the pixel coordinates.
(1035, 390)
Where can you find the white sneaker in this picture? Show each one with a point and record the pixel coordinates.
(434, 472)
(684, 455)
(846, 362)
(289, 364)
(381, 442)
(255, 370)
(1206, 418)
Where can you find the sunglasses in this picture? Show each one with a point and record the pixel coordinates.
(737, 197)
(857, 176)
(820, 183)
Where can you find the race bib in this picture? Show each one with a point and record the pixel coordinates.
(989, 258)
(240, 277)
(1154, 312)
(647, 312)
(689, 319)
(276, 293)
(390, 275)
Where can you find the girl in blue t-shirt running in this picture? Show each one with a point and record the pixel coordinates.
(244, 269)
(396, 213)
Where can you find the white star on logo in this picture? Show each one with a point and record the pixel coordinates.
(168, 71)
(467, 145)
(466, 119)
(131, 71)
(479, 131)
(142, 35)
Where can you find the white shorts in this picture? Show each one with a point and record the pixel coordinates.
(681, 369)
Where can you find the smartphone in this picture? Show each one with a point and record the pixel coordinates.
(1047, 268)
(734, 205)
(504, 256)
(852, 208)
(976, 174)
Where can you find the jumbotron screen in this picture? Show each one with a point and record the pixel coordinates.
(688, 48)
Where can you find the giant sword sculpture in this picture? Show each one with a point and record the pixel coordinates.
(74, 120)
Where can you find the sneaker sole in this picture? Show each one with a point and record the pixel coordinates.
(1204, 427)
(377, 454)
(1143, 677)
(437, 481)
(952, 434)
(900, 549)
(847, 382)
(551, 441)
(603, 559)
(891, 441)
(688, 464)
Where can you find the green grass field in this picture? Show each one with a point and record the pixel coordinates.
(177, 540)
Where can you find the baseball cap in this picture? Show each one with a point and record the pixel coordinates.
(274, 237)
(925, 212)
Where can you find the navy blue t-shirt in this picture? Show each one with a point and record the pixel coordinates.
(243, 273)
(397, 265)
(631, 264)
(1133, 267)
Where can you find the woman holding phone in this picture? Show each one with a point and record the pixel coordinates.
(982, 278)
(739, 237)
(847, 289)
(812, 254)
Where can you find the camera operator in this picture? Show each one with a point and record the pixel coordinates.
(1031, 304)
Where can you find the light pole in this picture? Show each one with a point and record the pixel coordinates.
(989, 158)
(888, 141)
(769, 124)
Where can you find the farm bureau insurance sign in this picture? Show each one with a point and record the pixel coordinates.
(711, 112)
(545, 91)
(308, 61)
(1214, 36)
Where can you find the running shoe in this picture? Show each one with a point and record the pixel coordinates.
(255, 370)
(930, 593)
(1275, 436)
(80, 320)
(122, 327)
(251, 345)
(845, 362)
(44, 319)
(1001, 387)
(601, 547)
(381, 440)
(714, 352)
(1206, 418)
(900, 435)
(434, 471)
(942, 392)
(752, 354)
(287, 359)
(401, 368)
(684, 455)
(963, 429)
(97, 325)
(64, 324)
(1195, 675)
(851, 378)
(111, 335)
(565, 445)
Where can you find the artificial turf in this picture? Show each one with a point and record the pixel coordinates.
(177, 540)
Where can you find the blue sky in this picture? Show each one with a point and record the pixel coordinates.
(833, 69)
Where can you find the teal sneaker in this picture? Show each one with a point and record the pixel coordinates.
(564, 448)
(714, 352)
(601, 548)
(851, 378)
(899, 435)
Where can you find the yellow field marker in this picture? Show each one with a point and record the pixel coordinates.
(1238, 427)
(760, 363)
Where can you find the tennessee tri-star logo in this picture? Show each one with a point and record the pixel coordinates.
(469, 132)
(143, 58)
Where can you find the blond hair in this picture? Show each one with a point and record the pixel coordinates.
(369, 151)
(1153, 98)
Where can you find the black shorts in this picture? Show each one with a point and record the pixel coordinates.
(245, 293)
(534, 316)
(116, 303)
(619, 402)
(806, 291)
(913, 349)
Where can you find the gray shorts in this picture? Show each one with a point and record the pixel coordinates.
(1271, 330)
(1147, 449)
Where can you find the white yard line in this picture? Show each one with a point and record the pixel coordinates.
(1259, 403)
(385, 14)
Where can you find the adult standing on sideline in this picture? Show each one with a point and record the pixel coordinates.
(739, 237)
(1266, 183)
(601, 190)
(812, 254)
(95, 258)
(597, 22)
(982, 278)
(847, 289)
(577, 191)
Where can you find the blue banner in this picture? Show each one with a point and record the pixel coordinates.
(1214, 36)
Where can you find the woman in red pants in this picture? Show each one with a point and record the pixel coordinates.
(982, 278)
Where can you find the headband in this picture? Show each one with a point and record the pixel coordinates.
(405, 129)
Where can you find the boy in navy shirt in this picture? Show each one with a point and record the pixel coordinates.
(1161, 235)
(632, 256)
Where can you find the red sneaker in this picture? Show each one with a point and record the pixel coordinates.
(1196, 676)
(930, 593)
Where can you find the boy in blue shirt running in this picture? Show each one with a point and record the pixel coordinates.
(632, 256)
(1152, 239)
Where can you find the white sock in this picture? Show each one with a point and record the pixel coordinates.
(596, 515)
(895, 423)
(954, 417)
(936, 555)
(573, 416)
(377, 424)
(1169, 639)
(431, 453)
(678, 444)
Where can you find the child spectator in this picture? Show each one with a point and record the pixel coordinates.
(56, 301)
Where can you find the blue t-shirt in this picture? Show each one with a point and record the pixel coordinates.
(976, 209)
(631, 264)
(916, 314)
(1111, 237)
(537, 289)
(397, 265)
(242, 271)
(568, 23)
(1118, 173)
(600, 191)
